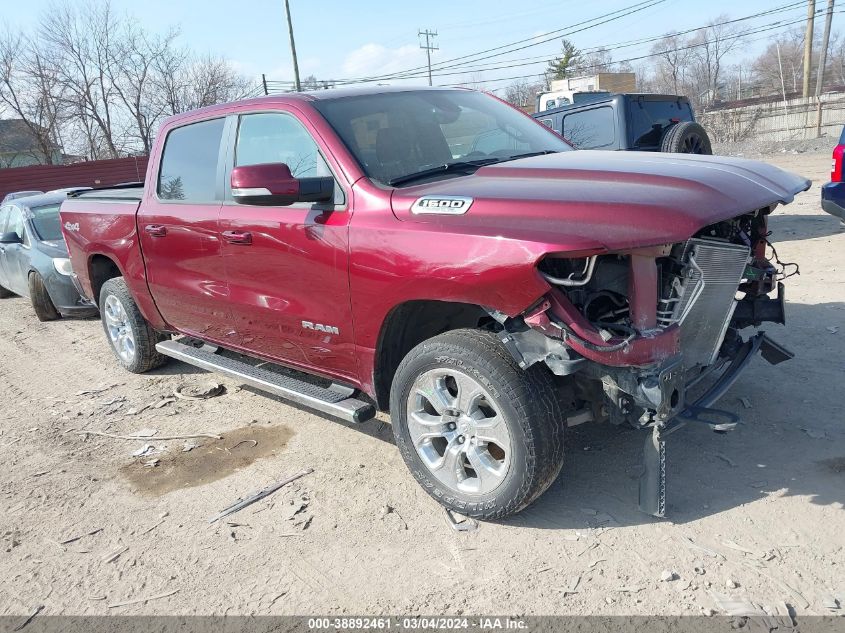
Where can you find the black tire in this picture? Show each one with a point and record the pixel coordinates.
(525, 398)
(686, 138)
(145, 356)
(40, 298)
(4, 293)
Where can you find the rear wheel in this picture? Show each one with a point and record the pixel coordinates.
(686, 138)
(481, 435)
(131, 338)
(40, 298)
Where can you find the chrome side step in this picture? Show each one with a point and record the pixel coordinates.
(333, 400)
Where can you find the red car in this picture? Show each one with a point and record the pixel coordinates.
(439, 254)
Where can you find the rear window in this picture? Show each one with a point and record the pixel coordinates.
(649, 119)
(46, 222)
(189, 164)
(590, 129)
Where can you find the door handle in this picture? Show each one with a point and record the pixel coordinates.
(238, 237)
(155, 230)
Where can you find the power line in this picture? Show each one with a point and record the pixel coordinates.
(653, 38)
(641, 57)
(500, 66)
(438, 67)
(429, 46)
(569, 30)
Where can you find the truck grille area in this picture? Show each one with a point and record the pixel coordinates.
(702, 301)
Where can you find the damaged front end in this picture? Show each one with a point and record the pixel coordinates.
(650, 337)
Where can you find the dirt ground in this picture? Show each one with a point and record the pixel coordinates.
(756, 514)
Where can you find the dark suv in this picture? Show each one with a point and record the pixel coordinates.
(636, 122)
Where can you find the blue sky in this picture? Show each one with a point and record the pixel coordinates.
(341, 39)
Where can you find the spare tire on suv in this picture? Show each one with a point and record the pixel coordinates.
(686, 138)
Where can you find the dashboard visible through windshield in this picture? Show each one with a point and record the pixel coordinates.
(397, 136)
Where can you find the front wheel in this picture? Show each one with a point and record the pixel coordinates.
(131, 338)
(481, 435)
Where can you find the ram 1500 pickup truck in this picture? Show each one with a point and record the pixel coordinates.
(439, 254)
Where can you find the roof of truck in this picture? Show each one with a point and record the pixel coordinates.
(602, 97)
(312, 95)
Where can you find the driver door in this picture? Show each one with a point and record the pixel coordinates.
(287, 266)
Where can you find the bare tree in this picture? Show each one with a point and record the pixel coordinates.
(81, 45)
(767, 67)
(188, 83)
(31, 91)
(131, 71)
(710, 46)
(522, 93)
(597, 61)
(671, 63)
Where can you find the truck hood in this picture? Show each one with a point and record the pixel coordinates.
(595, 200)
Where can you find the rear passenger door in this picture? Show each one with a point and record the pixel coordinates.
(178, 224)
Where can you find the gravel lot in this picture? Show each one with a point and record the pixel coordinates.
(756, 514)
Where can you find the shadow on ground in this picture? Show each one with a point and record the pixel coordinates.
(789, 228)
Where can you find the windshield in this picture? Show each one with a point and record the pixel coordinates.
(46, 222)
(401, 133)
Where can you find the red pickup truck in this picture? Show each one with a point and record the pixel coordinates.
(439, 254)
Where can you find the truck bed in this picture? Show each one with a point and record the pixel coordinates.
(127, 191)
(102, 222)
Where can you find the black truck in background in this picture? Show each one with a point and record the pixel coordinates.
(632, 122)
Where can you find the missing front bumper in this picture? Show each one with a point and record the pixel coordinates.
(652, 489)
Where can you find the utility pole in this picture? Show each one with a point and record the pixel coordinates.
(823, 53)
(783, 88)
(293, 48)
(429, 46)
(808, 47)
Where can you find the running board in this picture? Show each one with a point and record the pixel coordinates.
(331, 400)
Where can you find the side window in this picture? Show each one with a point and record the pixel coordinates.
(4, 217)
(278, 138)
(590, 129)
(189, 163)
(649, 120)
(16, 222)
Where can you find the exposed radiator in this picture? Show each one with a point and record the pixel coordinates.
(713, 272)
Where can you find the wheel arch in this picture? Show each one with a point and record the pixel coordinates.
(409, 324)
(101, 268)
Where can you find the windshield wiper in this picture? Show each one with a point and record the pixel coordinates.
(529, 154)
(442, 169)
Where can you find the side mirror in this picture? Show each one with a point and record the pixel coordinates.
(10, 238)
(273, 184)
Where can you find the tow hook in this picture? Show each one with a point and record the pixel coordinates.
(652, 494)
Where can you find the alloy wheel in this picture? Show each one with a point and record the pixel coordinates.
(119, 329)
(458, 431)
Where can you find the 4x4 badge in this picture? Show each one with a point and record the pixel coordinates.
(441, 205)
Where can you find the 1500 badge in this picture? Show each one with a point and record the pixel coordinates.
(441, 205)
